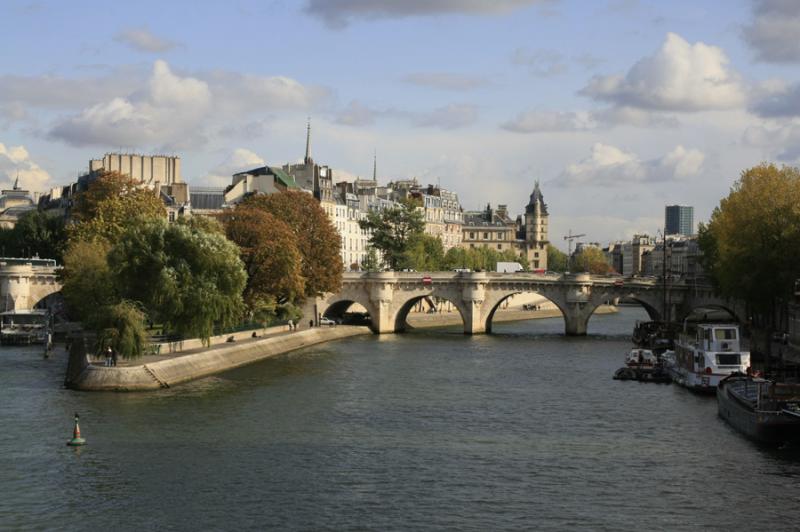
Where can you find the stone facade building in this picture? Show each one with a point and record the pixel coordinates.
(533, 230)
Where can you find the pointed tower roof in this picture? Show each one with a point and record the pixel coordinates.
(536, 199)
(308, 159)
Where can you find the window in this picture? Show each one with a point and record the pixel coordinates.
(486, 236)
(499, 246)
(725, 334)
(472, 236)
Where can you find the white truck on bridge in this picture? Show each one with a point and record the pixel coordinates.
(509, 267)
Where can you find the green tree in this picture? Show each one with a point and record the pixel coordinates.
(86, 282)
(557, 260)
(423, 253)
(371, 262)
(591, 260)
(122, 327)
(393, 229)
(751, 245)
(35, 233)
(186, 278)
(315, 237)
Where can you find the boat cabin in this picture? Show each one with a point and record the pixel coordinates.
(715, 337)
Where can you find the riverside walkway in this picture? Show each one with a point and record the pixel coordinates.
(163, 371)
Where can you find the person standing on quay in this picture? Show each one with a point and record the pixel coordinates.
(291, 325)
(114, 357)
(108, 357)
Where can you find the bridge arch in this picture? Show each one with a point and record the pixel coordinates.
(494, 303)
(404, 307)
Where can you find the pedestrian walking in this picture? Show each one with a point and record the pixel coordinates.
(291, 325)
(108, 357)
(114, 357)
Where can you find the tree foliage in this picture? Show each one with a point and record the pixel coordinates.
(479, 258)
(188, 279)
(423, 253)
(269, 251)
(393, 230)
(591, 260)
(315, 237)
(123, 328)
(557, 260)
(86, 281)
(35, 234)
(110, 203)
(751, 245)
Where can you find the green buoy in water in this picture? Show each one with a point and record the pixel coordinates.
(76, 440)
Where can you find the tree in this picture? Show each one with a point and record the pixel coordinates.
(591, 260)
(35, 233)
(315, 237)
(751, 245)
(393, 229)
(86, 282)
(423, 253)
(557, 260)
(269, 252)
(371, 262)
(188, 279)
(109, 205)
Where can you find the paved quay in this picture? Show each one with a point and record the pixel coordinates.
(164, 371)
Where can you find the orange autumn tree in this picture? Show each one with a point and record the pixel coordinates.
(314, 235)
(270, 255)
(107, 206)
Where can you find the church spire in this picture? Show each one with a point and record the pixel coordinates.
(308, 142)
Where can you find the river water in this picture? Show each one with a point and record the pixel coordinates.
(523, 429)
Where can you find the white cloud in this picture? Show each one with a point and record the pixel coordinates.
(170, 108)
(610, 166)
(338, 13)
(143, 40)
(239, 160)
(778, 140)
(14, 161)
(678, 77)
(773, 32)
(537, 121)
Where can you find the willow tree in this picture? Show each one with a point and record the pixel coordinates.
(751, 245)
(187, 278)
(316, 238)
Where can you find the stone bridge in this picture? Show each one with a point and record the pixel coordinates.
(389, 296)
(27, 285)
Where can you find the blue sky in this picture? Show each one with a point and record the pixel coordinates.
(617, 107)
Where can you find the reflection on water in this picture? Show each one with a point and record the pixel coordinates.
(432, 430)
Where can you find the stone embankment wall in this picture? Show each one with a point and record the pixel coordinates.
(174, 370)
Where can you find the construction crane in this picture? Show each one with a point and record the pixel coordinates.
(569, 238)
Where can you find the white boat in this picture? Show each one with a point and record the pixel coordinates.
(706, 355)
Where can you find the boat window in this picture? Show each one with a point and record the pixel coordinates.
(729, 359)
(725, 334)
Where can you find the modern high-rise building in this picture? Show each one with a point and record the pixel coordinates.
(679, 220)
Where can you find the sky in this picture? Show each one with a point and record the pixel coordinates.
(617, 107)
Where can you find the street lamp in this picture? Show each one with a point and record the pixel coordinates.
(664, 305)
